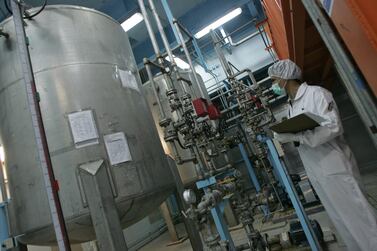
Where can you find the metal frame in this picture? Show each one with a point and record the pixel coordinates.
(249, 167)
(289, 187)
(217, 213)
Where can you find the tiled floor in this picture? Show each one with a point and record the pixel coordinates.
(239, 237)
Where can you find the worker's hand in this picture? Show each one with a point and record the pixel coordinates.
(285, 137)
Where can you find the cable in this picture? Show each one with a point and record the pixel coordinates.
(26, 17)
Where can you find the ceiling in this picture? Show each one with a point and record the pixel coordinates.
(120, 10)
(193, 14)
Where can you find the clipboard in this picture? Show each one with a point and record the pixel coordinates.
(302, 122)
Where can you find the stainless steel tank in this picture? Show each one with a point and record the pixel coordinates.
(92, 109)
(186, 170)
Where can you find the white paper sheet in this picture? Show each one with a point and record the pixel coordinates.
(117, 148)
(128, 80)
(83, 128)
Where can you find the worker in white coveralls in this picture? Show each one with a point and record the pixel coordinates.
(328, 160)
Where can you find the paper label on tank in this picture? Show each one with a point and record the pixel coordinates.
(83, 128)
(128, 80)
(117, 148)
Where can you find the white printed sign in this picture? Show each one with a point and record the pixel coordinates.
(117, 148)
(83, 127)
(128, 80)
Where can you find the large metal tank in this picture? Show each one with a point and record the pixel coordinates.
(89, 88)
(186, 170)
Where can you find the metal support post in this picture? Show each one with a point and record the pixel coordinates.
(289, 187)
(192, 231)
(221, 226)
(249, 167)
(102, 207)
(353, 81)
(44, 158)
(169, 222)
(217, 214)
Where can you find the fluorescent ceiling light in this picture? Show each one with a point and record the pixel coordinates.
(180, 63)
(132, 21)
(218, 22)
(2, 154)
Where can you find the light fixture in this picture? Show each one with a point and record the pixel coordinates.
(180, 63)
(218, 23)
(2, 154)
(132, 21)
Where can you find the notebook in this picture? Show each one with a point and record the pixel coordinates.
(302, 122)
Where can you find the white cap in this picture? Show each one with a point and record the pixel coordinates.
(285, 69)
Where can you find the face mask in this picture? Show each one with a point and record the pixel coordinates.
(278, 90)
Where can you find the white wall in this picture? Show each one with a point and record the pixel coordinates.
(251, 54)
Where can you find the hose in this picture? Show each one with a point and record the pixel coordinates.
(26, 17)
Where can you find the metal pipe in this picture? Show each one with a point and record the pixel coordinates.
(187, 54)
(3, 187)
(166, 43)
(156, 48)
(242, 40)
(238, 29)
(161, 30)
(352, 80)
(228, 71)
(149, 27)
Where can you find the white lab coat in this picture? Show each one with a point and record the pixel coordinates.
(332, 170)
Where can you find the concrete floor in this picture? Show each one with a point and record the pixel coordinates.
(239, 237)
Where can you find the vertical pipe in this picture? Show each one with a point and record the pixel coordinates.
(161, 30)
(3, 188)
(149, 27)
(152, 36)
(224, 63)
(187, 54)
(166, 43)
(192, 231)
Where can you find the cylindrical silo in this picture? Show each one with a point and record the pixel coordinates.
(92, 109)
(186, 170)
